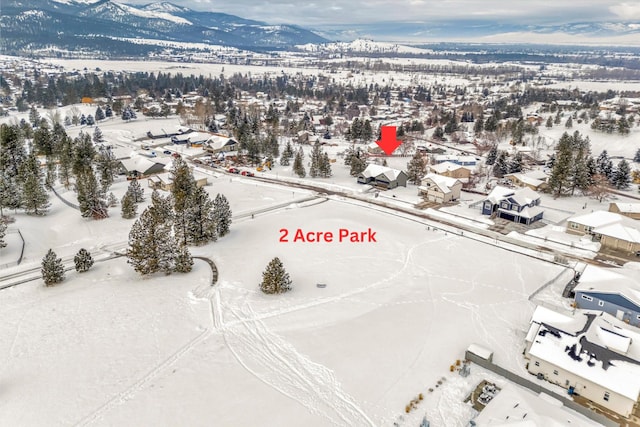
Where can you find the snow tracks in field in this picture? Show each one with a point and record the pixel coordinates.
(278, 364)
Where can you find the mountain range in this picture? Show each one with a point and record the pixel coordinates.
(112, 28)
(107, 29)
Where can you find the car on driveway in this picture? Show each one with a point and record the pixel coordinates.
(247, 173)
(166, 152)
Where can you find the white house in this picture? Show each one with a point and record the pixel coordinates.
(440, 189)
(593, 355)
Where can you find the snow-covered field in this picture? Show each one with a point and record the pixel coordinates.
(107, 347)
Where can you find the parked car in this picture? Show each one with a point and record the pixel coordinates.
(247, 173)
(166, 152)
(233, 170)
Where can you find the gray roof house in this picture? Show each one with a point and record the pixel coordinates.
(382, 176)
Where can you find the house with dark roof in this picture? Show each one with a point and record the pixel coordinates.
(382, 176)
(521, 206)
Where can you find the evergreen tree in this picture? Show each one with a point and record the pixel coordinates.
(98, 138)
(636, 158)
(569, 123)
(136, 190)
(83, 120)
(358, 165)
(580, 174)
(622, 176)
(287, 154)
(561, 171)
(316, 159)
(91, 199)
(112, 200)
(83, 260)
(3, 233)
(83, 154)
(514, 165)
(108, 111)
(184, 260)
(52, 269)
(492, 155)
(34, 117)
(298, 166)
(549, 122)
(182, 190)
(12, 155)
(152, 246)
(201, 224)
(501, 167)
(325, 166)
(275, 279)
(623, 126)
(128, 206)
(99, 114)
(604, 164)
(35, 198)
(438, 133)
(222, 215)
(416, 169)
(90, 120)
(106, 166)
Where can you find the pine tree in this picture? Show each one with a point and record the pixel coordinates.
(108, 111)
(561, 171)
(358, 163)
(83, 260)
(492, 155)
(83, 154)
(275, 279)
(35, 198)
(569, 123)
(316, 158)
(34, 117)
(325, 166)
(91, 199)
(515, 164)
(182, 190)
(298, 166)
(136, 190)
(549, 122)
(112, 200)
(152, 246)
(184, 260)
(3, 233)
(580, 174)
(90, 120)
(222, 215)
(416, 168)
(128, 206)
(99, 114)
(98, 137)
(201, 224)
(501, 168)
(622, 176)
(52, 269)
(287, 154)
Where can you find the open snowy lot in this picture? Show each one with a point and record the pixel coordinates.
(109, 347)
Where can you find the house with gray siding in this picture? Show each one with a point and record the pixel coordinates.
(520, 206)
(611, 292)
(383, 177)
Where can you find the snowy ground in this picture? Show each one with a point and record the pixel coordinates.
(108, 346)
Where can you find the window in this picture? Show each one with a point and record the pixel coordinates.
(555, 372)
(588, 229)
(606, 396)
(574, 226)
(638, 316)
(587, 297)
(537, 363)
(601, 303)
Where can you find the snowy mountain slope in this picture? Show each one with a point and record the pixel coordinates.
(84, 25)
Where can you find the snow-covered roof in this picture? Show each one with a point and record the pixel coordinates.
(571, 322)
(525, 196)
(444, 183)
(218, 141)
(622, 231)
(138, 163)
(481, 351)
(373, 171)
(526, 179)
(517, 406)
(607, 281)
(628, 207)
(531, 212)
(597, 358)
(498, 193)
(448, 157)
(596, 219)
(446, 167)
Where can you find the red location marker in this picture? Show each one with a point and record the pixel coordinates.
(388, 142)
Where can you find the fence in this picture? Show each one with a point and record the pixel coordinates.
(66, 202)
(536, 388)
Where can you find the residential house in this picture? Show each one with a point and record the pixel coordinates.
(521, 206)
(452, 170)
(610, 291)
(612, 230)
(220, 144)
(440, 189)
(594, 356)
(458, 160)
(631, 210)
(382, 176)
(138, 166)
(535, 180)
(164, 182)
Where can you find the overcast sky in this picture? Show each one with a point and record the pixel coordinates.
(328, 12)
